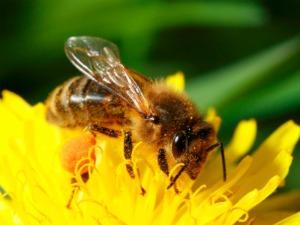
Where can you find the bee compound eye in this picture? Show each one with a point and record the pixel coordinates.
(179, 144)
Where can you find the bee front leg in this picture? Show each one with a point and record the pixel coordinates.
(128, 147)
(104, 130)
(162, 161)
(163, 165)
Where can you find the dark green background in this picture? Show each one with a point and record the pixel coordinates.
(241, 56)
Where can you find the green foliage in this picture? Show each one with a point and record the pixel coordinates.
(133, 23)
(227, 86)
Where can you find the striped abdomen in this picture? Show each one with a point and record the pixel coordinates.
(81, 102)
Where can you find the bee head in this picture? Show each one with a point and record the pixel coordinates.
(191, 145)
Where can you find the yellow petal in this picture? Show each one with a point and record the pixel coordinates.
(243, 139)
(276, 208)
(16, 104)
(280, 144)
(250, 199)
(266, 218)
(176, 81)
(257, 177)
(291, 220)
(213, 118)
(288, 201)
(7, 215)
(283, 139)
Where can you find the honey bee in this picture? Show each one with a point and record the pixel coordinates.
(111, 95)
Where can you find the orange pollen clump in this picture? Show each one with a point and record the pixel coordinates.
(78, 153)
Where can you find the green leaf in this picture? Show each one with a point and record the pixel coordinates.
(278, 98)
(222, 86)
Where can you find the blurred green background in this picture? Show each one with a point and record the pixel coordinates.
(241, 56)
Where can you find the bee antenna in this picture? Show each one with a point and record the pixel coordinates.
(223, 161)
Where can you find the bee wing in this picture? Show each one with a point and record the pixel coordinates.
(99, 60)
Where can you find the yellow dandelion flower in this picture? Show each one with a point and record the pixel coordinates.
(36, 187)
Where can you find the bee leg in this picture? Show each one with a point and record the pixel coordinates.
(128, 152)
(128, 147)
(176, 189)
(84, 177)
(163, 165)
(174, 179)
(162, 161)
(103, 130)
(74, 191)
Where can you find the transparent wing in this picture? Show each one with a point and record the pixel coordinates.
(99, 60)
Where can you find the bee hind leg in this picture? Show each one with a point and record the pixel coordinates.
(128, 147)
